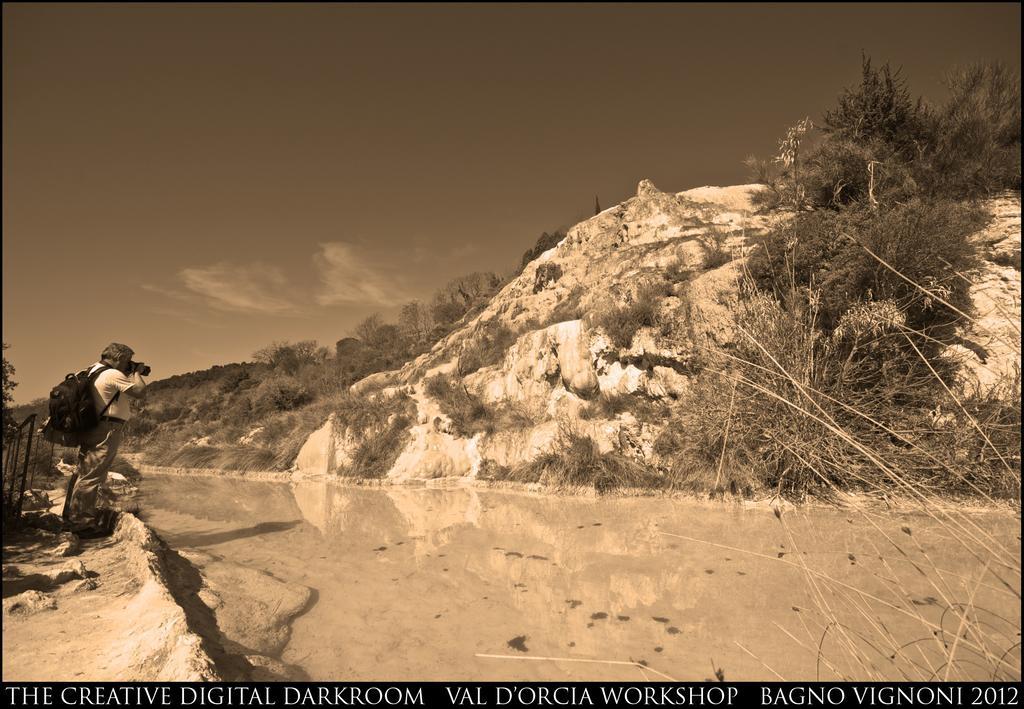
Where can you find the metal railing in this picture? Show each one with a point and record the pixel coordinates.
(17, 464)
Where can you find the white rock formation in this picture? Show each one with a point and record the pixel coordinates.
(562, 361)
(995, 292)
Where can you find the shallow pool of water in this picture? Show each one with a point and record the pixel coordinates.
(465, 583)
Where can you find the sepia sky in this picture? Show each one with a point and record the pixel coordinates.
(199, 180)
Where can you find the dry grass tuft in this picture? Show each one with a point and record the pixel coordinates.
(622, 322)
(379, 450)
(485, 347)
(806, 413)
(468, 412)
(239, 458)
(716, 253)
(608, 406)
(577, 462)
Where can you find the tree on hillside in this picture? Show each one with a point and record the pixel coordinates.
(347, 347)
(876, 138)
(977, 132)
(290, 357)
(544, 242)
(461, 295)
(378, 335)
(366, 330)
(879, 110)
(8, 390)
(353, 360)
(415, 322)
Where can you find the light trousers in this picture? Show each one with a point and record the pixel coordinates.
(95, 456)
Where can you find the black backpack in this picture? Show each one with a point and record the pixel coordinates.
(73, 408)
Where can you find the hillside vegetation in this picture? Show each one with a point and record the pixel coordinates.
(847, 322)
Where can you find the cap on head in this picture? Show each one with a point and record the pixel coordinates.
(115, 351)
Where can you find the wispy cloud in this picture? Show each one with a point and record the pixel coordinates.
(354, 274)
(241, 288)
(346, 273)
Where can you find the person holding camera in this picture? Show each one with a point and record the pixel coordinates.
(119, 381)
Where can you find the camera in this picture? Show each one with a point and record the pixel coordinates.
(143, 369)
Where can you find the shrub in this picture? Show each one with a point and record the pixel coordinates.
(981, 438)
(882, 146)
(795, 412)
(237, 380)
(415, 322)
(10, 424)
(467, 411)
(927, 244)
(279, 394)
(379, 450)
(841, 172)
(678, 272)
(360, 413)
(545, 242)
(760, 171)
(243, 458)
(577, 462)
(790, 186)
(608, 406)
(162, 414)
(486, 346)
(742, 432)
(691, 462)
(977, 133)
(766, 200)
(546, 274)
(323, 381)
(378, 335)
(140, 425)
(491, 470)
(469, 414)
(879, 110)
(462, 296)
(570, 307)
(712, 242)
(290, 357)
(622, 322)
(286, 432)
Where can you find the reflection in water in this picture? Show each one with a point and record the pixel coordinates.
(214, 538)
(414, 583)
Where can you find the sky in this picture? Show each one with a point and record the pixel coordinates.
(198, 180)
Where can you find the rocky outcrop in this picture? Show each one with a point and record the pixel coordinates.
(164, 648)
(321, 453)
(254, 610)
(646, 259)
(110, 615)
(994, 335)
(433, 453)
(561, 363)
(559, 355)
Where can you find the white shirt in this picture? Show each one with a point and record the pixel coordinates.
(107, 384)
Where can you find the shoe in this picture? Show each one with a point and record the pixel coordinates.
(107, 520)
(102, 526)
(93, 533)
